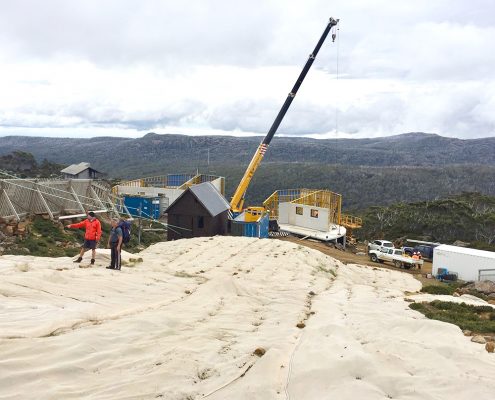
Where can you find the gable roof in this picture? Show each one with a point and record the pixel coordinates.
(75, 169)
(208, 196)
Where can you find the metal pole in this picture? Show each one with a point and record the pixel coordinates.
(139, 229)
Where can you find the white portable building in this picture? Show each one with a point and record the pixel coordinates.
(309, 221)
(470, 264)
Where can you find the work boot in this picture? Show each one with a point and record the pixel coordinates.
(109, 267)
(78, 260)
(92, 261)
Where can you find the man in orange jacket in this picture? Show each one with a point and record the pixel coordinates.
(91, 237)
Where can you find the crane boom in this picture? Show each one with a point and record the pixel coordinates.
(237, 201)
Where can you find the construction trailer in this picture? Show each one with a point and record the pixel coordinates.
(200, 210)
(469, 264)
(311, 213)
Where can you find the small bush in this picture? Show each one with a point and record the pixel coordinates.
(463, 315)
(444, 289)
(476, 293)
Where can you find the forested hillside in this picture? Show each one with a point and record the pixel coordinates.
(154, 153)
(363, 186)
(367, 172)
(469, 217)
(23, 164)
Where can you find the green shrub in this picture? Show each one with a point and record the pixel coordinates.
(434, 289)
(463, 315)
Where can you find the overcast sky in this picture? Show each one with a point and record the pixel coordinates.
(127, 67)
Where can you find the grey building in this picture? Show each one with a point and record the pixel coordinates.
(81, 171)
(200, 211)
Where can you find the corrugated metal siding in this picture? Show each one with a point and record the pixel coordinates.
(251, 229)
(147, 206)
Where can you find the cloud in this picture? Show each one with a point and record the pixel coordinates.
(226, 67)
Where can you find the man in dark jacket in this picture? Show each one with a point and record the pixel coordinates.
(91, 237)
(115, 244)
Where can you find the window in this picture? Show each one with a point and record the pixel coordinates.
(314, 213)
(299, 210)
(201, 222)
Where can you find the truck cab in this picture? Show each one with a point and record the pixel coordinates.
(378, 244)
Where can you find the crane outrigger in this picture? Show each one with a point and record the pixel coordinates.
(237, 202)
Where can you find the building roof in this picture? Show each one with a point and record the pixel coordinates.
(465, 250)
(75, 169)
(208, 196)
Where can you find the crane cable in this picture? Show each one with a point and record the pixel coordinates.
(336, 34)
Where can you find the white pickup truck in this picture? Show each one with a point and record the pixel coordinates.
(395, 256)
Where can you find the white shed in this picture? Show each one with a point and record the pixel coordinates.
(470, 264)
(310, 221)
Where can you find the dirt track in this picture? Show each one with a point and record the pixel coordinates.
(349, 257)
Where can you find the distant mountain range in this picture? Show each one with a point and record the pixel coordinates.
(152, 153)
(407, 167)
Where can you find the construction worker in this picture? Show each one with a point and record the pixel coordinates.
(417, 256)
(115, 244)
(91, 237)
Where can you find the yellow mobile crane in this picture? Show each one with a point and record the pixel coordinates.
(237, 202)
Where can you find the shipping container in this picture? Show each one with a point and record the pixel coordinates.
(469, 264)
(149, 206)
(257, 229)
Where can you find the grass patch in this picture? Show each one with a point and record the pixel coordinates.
(476, 293)
(480, 319)
(450, 288)
(321, 267)
(446, 288)
(46, 238)
(49, 230)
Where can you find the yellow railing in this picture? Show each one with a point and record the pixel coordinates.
(349, 221)
(283, 196)
(309, 197)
